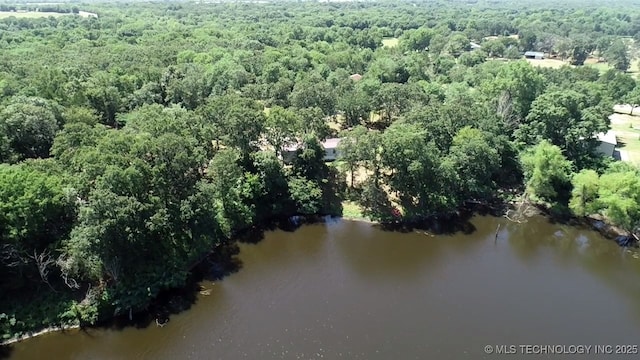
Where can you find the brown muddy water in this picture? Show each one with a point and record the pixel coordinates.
(348, 290)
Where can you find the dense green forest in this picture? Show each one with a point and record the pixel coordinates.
(132, 144)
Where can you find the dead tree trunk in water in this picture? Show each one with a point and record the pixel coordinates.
(520, 214)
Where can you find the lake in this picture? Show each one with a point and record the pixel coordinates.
(349, 290)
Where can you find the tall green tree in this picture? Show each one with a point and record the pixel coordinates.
(312, 122)
(517, 82)
(238, 121)
(145, 202)
(417, 40)
(350, 148)
(103, 93)
(415, 165)
(281, 128)
(475, 161)
(560, 116)
(618, 55)
(356, 107)
(27, 128)
(582, 47)
(619, 198)
(585, 192)
(546, 171)
(314, 92)
(36, 212)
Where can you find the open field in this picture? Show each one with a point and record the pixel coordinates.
(550, 63)
(29, 14)
(634, 69)
(390, 42)
(627, 129)
(625, 109)
(602, 67)
(498, 37)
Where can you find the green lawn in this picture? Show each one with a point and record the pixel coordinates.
(603, 67)
(351, 210)
(390, 42)
(550, 63)
(634, 69)
(628, 137)
(29, 14)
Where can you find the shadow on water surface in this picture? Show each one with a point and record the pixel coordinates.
(577, 243)
(439, 225)
(255, 234)
(607, 231)
(222, 262)
(5, 351)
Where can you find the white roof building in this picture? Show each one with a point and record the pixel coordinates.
(608, 143)
(330, 147)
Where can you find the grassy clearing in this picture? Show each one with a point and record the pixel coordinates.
(547, 63)
(351, 210)
(627, 129)
(29, 14)
(634, 69)
(602, 67)
(544, 63)
(498, 37)
(623, 109)
(390, 42)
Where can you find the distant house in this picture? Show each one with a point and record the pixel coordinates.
(474, 46)
(355, 77)
(534, 55)
(330, 146)
(331, 149)
(608, 143)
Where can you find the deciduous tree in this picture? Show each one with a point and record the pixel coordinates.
(546, 171)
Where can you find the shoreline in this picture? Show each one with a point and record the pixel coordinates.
(595, 223)
(47, 330)
(360, 219)
(63, 328)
